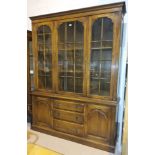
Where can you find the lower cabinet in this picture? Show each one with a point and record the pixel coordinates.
(90, 123)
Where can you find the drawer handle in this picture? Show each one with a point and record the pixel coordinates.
(57, 104)
(79, 106)
(77, 131)
(56, 114)
(78, 119)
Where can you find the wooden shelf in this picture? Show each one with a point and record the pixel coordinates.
(101, 48)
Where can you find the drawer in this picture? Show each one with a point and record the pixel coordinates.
(68, 116)
(70, 128)
(67, 105)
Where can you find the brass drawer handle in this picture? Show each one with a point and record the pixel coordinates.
(57, 104)
(56, 114)
(79, 106)
(78, 119)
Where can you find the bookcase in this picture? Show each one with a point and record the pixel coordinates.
(76, 59)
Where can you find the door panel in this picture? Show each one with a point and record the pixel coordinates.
(42, 113)
(71, 46)
(98, 121)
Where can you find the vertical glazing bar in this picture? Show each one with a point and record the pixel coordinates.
(44, 57)
(74, 51)
(66, 62)
(100, 57)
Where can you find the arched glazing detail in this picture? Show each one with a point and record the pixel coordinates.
(101, 56)
(70, 56)
(44, 44)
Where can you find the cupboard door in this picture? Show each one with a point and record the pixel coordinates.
(71, 56)
(41, 112)
(44, 57)
(101, 53)
(98, 122)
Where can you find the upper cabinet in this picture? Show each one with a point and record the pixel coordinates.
(78, 54)
(70, 56)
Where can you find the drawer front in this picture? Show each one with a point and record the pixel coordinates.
(68, 116)
(67, 105)
(69, 128)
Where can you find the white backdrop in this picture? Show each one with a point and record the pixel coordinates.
(40, 7)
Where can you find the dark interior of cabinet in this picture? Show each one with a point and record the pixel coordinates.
(101, 56)
(44, 57)
(70, 56)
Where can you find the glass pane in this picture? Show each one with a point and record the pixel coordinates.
(32, 82)
(40, 30)
(106, 69)
(106, 55)
(48, 59)
(31, 63)
(40, 47)
(96, 44)
(48, 82)
(70, 56)
(61, 83)
(95, 55)
(41, 83)
(78, 85)
(101, 56)
(105, 87)
(30, 48)
(70, 84)
(40, 38)
(69, 46)
(79, 32)
(94, 86)
(46, 29)
(79, 46)
(44, 57)
(61, 46)
(96, 30)
(61, 62)
(95, 69)
(70, 32)
(48, 39)
(40, 60)
(61, 32)
(107, 29)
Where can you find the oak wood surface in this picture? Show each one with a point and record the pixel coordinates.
(82, 117)
(29, 104)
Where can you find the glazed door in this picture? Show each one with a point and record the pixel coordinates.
(43, 35)
(102, 55)
(42, 116)
(71, 56)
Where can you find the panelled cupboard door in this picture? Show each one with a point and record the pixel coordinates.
(43, 45)
(41, 112)
(98, 122)
(101, 56)
(70, 56)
